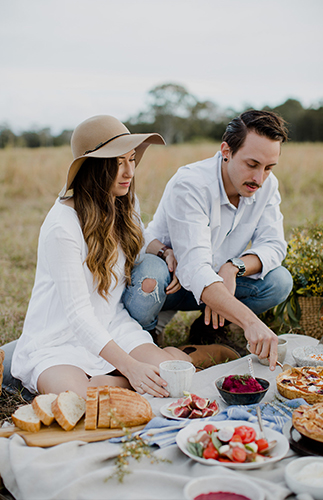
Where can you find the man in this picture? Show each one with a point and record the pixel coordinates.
(222, 220)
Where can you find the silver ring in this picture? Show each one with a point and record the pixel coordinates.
(140, 385)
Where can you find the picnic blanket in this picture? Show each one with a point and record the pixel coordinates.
(162, 432)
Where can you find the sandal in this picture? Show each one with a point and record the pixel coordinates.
(204, 356)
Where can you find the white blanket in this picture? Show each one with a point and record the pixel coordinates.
(77, 471)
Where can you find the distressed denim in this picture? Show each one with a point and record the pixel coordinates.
(259, 295)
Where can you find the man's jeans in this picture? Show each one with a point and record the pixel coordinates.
(259, 295)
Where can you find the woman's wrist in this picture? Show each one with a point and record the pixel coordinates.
(162, 253)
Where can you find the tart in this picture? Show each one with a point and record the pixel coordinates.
(302, 382)
(308, 421)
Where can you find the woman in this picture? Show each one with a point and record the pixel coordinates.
(77, 332)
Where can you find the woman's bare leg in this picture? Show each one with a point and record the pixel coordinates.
(150, 353)
(67, 377)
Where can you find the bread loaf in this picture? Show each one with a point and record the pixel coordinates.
(128, 408)
(42, 406)
(91, 412)
(68, 408)
(104, 406)
(26, 419)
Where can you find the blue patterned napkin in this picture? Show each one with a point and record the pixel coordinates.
(162, 432)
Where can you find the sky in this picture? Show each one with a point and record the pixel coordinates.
(62, 61)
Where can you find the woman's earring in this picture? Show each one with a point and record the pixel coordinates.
(225, 159)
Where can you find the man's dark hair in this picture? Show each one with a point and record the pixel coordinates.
(265, 123)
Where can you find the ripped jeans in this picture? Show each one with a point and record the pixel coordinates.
(259, 295)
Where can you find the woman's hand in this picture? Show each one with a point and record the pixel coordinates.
(171, 262)
(144, 378)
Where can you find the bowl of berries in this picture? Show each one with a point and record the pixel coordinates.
(242, 389)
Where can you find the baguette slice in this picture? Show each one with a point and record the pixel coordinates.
(68, 408)
(128, 408)
(91, 412)
(42, 407)
(104, 406)
(26, 419)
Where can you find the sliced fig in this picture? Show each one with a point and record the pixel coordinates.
(207, 412)
(196, 414)
(213, 406)
(199, 403)
(182, 412)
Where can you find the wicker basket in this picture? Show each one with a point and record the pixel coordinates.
(312, 316)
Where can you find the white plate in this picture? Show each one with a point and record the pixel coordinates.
(277, 453)
(168, 414)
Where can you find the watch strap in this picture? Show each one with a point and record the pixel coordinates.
(161, 252)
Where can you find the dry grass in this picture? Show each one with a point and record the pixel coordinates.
(30, 180)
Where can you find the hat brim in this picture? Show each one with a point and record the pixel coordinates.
(119, 146)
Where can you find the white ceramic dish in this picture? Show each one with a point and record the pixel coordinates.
(277, 453)
(168, 414)
(293, 473)
(302, 355)
(225, 483)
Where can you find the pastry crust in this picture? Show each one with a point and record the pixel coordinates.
(308, 421)
(302, 382)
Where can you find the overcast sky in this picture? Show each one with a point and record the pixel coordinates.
(62, 61)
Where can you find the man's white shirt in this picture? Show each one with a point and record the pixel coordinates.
(196, 218)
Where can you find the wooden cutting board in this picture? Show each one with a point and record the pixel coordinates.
(54, 434)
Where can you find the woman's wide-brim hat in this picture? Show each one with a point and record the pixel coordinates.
(104, 136)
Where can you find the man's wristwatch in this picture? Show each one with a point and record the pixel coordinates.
(162, 251)
(239, 264)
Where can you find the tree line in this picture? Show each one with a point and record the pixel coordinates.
(179, 116)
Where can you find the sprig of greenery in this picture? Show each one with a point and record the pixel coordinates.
(132, 447)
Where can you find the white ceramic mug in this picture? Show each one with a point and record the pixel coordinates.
(179, 375)
(281, 352)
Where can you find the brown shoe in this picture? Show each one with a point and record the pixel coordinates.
(204, 356)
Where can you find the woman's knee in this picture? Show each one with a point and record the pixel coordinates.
(151, 268)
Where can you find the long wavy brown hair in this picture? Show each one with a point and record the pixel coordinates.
(106, 221)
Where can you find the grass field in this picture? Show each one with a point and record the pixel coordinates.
(30, 180)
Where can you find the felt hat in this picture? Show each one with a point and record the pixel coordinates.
(104, 136)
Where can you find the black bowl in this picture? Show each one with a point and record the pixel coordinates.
(242, 398)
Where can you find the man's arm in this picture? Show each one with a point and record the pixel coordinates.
(263, 342)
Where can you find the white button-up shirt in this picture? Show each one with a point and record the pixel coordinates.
(196, 218)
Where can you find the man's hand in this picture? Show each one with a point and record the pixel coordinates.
(171, 262)
(262, 341)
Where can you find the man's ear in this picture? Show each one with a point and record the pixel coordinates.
(225, 150)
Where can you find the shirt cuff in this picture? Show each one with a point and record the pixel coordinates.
(203, 278)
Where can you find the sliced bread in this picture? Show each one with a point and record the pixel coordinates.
(68, 408)
(26, 419)
(91, 412)
(42, 406)
(128, 408)
(104, 406)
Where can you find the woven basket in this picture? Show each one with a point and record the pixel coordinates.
(312, 316)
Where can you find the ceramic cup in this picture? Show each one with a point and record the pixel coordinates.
(281, 350)
(179, 375)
